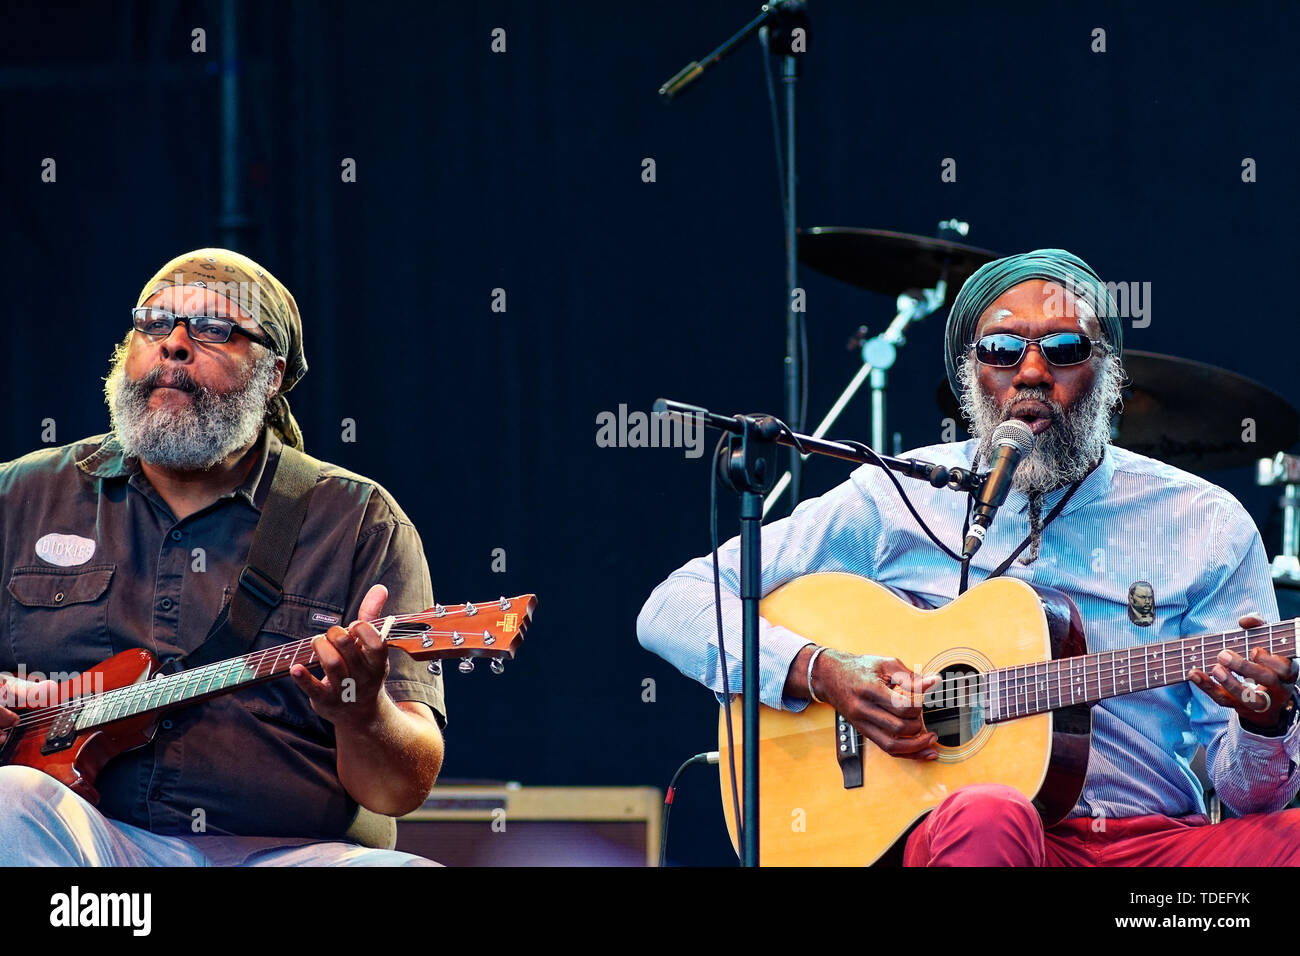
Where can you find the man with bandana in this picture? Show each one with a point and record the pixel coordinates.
(1036, 337)
(135, 538)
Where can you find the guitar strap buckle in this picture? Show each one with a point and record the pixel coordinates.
(260, 585)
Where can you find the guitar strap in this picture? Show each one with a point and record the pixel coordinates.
(258, 589)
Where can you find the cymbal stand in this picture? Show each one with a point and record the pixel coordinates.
(878, 356)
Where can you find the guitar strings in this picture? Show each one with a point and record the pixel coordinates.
(1013, 682)
(1020, 681)
(132, 694)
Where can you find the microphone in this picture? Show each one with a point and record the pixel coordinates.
(1012, 440)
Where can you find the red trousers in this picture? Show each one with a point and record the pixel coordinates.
(994, 825)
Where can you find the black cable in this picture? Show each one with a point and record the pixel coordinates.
(722, 648)
(776, 127)
(867, 449)
(803, 358)
(710, 757)
(717, 583)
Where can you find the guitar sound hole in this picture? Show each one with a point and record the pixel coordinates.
(953, 709)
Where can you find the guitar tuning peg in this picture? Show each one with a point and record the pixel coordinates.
(435, 668)
(497, 666)
(466, 665)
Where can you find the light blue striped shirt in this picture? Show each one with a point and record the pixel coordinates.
(1132, 519)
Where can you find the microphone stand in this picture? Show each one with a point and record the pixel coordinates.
(779, 19)
(747, 467)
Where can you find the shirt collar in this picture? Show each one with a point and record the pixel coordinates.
(110, 461)
(1095, 484)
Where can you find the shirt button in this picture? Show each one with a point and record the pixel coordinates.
(167, 725)
(165, 603)
(58, 598)
(176, 536)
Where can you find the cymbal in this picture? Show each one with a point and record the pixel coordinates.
(889, 262)
(1190, 414)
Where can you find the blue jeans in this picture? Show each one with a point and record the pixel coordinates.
(43, 823)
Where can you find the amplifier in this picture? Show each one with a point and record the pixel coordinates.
(506, 824)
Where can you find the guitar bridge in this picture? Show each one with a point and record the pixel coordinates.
(848, 751)
(62, 732)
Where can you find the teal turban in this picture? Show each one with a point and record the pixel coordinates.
(991, 280)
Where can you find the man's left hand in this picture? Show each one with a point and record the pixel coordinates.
(1266, 690)
(355, 663)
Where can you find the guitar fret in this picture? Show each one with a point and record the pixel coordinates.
(1025, 689)
(212, 676)
(1100, 695)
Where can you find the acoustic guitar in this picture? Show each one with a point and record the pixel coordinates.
(1012, 707)
(115, 706)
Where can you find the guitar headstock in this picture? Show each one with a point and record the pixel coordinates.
(494, 629)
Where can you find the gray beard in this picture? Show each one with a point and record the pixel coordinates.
(195, 438)
(1065, 452)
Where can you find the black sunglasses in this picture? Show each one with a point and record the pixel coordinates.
(202, 328)
(1003, 350)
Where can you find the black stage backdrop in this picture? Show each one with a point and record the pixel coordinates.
(522, 171)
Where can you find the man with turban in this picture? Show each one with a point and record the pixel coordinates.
(135, 539)
(1036, 337)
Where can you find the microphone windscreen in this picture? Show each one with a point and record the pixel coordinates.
(1016, 434)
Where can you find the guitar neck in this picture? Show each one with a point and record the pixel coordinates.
(209, 680)
(1013, 692)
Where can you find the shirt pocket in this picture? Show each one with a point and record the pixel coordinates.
(280, 701)
(60, 611)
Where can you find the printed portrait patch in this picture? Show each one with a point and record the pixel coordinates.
(1141, 603)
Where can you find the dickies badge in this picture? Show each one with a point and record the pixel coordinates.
(65, 550)
(1141, 603)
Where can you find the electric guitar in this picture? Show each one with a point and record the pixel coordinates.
(115, 706)
(1012, 707)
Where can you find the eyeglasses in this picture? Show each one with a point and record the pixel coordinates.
(1003, 350)
(202, 328)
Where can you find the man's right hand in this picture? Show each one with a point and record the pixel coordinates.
(16, 692)
(880, 696)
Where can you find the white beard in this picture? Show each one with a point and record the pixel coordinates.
(1067, 450)
(192, 438)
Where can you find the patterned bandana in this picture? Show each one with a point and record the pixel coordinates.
(262, 296)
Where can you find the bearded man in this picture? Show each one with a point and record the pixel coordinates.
(137, 539)
(1036, 337)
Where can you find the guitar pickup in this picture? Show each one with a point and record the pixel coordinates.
(62, 732)
(848, 751)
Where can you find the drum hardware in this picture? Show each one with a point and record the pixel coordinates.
(874, 259)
